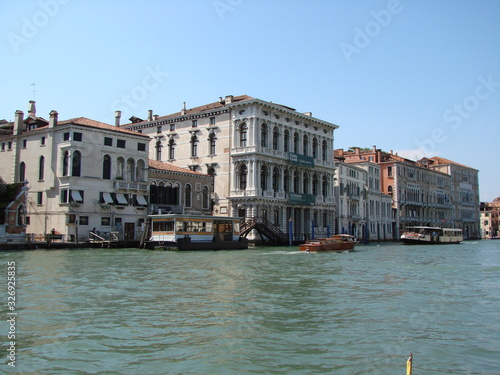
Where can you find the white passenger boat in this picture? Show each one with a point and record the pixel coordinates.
(431, 235)
(195, 232)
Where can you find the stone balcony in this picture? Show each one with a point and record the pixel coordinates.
(131, 186)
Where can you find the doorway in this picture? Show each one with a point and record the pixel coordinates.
(129, 231)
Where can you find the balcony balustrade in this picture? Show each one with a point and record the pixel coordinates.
(131, 185)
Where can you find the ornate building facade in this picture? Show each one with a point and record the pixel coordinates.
(268, 160)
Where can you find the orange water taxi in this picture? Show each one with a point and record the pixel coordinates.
(337, 242)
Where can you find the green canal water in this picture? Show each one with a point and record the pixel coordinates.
(261, 311)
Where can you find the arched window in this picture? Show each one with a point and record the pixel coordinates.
(296, 182)
(205, 196)
(286, 180)
(41, 168)
(276, 135)
(315, 184)
(276, 179)
(106, 167)
(140, 170)
(120, 167)
(131, 169)
(65, 163)
(162, 193)
(324, 151)
(187, 196)
(175, 195)
(243, 135)
(286, 140)
(194, 145)
(263, 177)
(243, 177)
(211, 143)
(389, 189)
(315, 148)
(169, 194)
(305, 186)
(263, 136)
(76, 164)
(22, 172)
(324, 187)
(171, 149)
(305, 145)
(158, 147)
(153, 193)
(296, 143)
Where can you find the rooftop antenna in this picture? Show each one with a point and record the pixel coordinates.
(33, 90)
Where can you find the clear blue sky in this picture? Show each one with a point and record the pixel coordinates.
(418, 77)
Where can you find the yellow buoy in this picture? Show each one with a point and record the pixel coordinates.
(409, 364)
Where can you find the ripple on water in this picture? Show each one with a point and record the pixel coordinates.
(264, 311)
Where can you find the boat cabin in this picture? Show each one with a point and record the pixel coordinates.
(203, 229)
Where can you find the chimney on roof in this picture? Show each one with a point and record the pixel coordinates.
(183, 112)
(53, 119)
(118, 115)
(374, 148)
(229, 99)
(221, 101)
(155, 117)
(18, 122)
(150, 115)
(308, 114)
(32, 108)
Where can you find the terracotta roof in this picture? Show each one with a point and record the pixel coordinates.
(438, 160)
(170, 167)
(97, 124)
(206, 107)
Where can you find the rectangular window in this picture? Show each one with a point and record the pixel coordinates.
(71, 219)
(84, 220)
(77, 136)
(158, 129)
(66, 136)
(195, 123)
(172, 127)
(42, 141)
(108, 141)
(105, 221)
(3, 146)
(25, 143)
(10, 145)
(39, 199)
(64, 195)
(212, 120)
(120, 143)
(141, 147)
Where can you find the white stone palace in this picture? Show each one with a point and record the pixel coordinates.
(268, 160)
